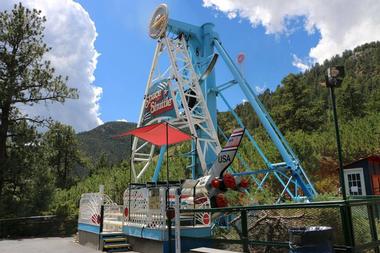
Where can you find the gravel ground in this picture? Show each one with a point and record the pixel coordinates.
(44, 245)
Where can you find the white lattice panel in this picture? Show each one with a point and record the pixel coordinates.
(138, 206)
(89, 207)
(148, 207)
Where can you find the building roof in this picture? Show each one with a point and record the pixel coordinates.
(374, 158)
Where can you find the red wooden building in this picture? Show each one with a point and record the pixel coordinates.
(362, 177)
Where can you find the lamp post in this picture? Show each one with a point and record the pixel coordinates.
(334, 78)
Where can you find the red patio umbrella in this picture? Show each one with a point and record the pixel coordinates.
(159, 134)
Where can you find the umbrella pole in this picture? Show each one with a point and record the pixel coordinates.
(130, 177)
(167, 188)
(167, 155)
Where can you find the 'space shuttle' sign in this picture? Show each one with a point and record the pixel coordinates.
(158, 102)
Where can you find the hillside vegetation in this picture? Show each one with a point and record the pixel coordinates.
(103, 142)
(301, 103)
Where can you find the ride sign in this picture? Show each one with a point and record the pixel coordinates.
(158, 103)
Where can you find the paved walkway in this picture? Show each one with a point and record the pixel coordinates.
(44, 245)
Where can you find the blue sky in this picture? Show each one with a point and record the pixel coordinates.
(278, 37)
(127, 50)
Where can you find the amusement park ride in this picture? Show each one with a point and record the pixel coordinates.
(182, 69)
(181, 91)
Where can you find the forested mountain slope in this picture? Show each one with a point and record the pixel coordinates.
(102, 142)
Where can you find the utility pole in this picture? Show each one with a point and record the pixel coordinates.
(334, 78)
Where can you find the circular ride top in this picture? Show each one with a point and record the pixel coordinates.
(181, 90)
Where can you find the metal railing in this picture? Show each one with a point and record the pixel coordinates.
(146, 206)
(264, 228)
(48, 225)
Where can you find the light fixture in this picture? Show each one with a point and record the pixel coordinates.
(159, 22)
(335, 76)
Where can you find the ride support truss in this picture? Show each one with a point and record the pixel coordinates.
(195, 117)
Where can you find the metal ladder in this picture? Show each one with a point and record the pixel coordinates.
(187, 87)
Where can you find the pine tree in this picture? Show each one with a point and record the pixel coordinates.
(62, 153)
(25, 77)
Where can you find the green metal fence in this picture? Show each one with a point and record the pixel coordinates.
(49, 225)
(264, 228)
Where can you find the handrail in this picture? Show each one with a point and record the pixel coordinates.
(319, 204)
(269, 207)
(41, 217)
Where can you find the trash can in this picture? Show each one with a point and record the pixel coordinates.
(316, 239)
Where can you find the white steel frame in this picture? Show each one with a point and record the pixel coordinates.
(184, 85)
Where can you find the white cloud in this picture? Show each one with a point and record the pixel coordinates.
(300, 64)
(122, 120)
(71, 33)
(343, 24)
(260, 89)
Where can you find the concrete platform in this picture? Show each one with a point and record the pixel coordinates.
(45, 245)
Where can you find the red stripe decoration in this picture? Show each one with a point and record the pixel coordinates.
(229, 149)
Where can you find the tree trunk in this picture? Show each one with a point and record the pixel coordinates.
(4, 125)
(65, 165)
